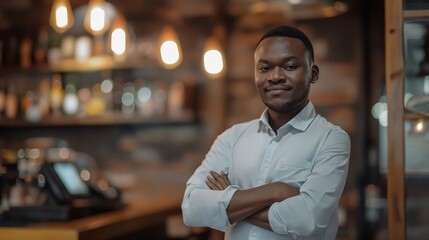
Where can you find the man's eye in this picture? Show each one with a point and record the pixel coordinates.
(290, 67)
(264, 69)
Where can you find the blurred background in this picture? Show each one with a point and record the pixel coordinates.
(139, 90)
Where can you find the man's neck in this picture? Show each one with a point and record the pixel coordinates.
(277, 120)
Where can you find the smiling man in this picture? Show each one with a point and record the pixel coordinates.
(280, 176)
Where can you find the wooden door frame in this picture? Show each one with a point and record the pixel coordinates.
(395, 129)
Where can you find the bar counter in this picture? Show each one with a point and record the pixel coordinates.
(134, 217)
(160, 190)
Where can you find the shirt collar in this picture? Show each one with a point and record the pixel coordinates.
(301, 121)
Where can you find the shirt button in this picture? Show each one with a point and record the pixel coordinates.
(254, 234)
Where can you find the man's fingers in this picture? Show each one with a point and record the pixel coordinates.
(211, 185)
(214, 184)
(220, 180)
(217, 181)
(225, 177)
(215, 175)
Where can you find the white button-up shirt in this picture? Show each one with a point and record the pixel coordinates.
(308, 152)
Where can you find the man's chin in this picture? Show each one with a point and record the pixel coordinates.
(279, 108)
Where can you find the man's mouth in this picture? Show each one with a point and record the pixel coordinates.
(278, 88)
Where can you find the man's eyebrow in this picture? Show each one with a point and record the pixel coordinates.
(289, 58)
(262, 61)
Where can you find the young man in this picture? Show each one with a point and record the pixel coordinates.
(280, 176)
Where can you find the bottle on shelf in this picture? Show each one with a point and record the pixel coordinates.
(44, 97)
(2, 100)
(96, 104)
(107, 90)
(26, 47)
(56, 94)
(84, 94)
(128, 99)
(31, 110)
(41, 48)
(71, 101)
(11, 103)
(160, 97)
(67, 47)
(144, 99)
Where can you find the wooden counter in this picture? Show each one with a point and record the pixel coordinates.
(134, 217)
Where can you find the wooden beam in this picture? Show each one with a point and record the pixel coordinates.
(395, 130)
(416, 14)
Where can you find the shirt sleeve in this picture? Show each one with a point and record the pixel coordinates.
(202, 206)
(316, 205)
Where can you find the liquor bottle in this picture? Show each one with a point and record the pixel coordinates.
(144, 99)
(44, 97)
(25, 52)
(11, 103)
(96, 104)
(71, 101)
(2, 100)
(56, 94)
(31, 112)
(128, 99)
(41, 48)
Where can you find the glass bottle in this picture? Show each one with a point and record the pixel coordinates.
(71, 101)
(56, 94)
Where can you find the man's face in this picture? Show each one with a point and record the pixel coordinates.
(283, 73)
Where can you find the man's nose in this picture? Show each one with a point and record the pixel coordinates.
(277, 74)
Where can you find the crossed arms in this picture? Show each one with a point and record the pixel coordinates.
(252, 204)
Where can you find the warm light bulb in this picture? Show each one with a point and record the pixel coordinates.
(213, 62)
(169, 48)
(169, 52)
(213, 58)
(119, 38)
(61, 18)
(118, 43)
(96, 18)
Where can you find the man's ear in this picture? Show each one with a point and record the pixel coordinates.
(314, 73)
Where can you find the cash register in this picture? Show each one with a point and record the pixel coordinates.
(69, 195)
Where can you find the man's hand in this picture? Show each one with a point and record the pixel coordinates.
(217, 181)
(252, 204)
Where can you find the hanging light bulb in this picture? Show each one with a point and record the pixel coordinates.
(96, 18)
(119, 37)
(61, 18)
(213, 59)
(169, 48)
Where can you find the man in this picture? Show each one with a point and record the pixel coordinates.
(280, 176)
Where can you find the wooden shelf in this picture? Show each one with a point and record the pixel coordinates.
(99, 63)
(101, 120)
(416, 14)
(95, 63)
(414, 116)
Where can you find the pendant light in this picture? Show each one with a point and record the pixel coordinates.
(96, 19)
(170, 51)
(61, 18)
(213, 58)
(119, 38)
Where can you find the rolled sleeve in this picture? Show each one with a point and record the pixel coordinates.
(205, 207)
(202, 206)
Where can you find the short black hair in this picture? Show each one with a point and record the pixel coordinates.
(289, 31)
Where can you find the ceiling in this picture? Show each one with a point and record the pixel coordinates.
(250, 12)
